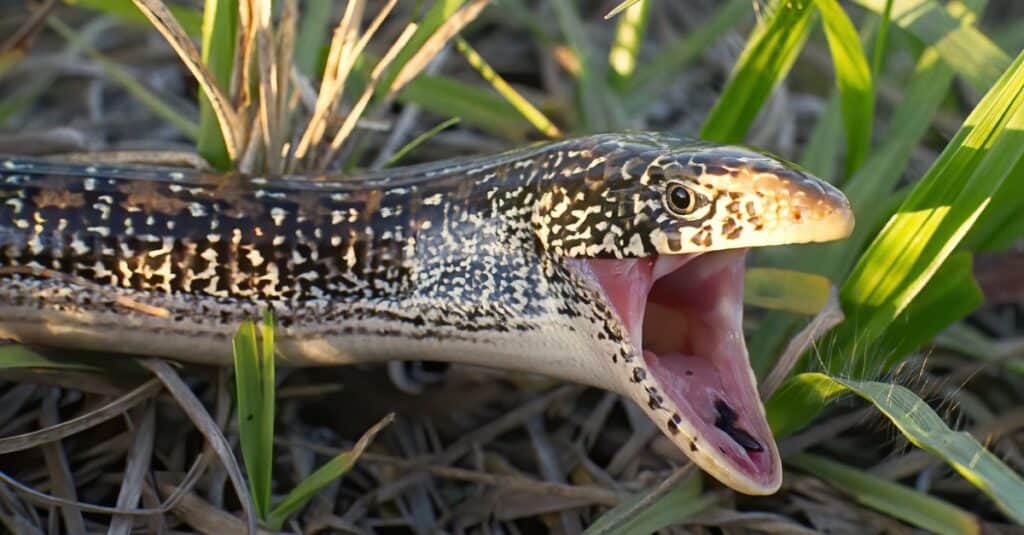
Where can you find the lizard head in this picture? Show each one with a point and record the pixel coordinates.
(658, 229)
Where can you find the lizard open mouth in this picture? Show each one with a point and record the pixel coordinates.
(684, 316)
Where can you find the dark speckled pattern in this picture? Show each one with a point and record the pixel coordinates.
(461, 260)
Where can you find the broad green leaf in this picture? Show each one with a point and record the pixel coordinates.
(936, 215)
(681, 503)
(451, 98)
(922, 427)
(219, 31)
(914, 507)
(333, 469)
(853, 79)
(189, 18)
(629, 33)
(765, 61)
(783, 289)
(254, 386)
(962, 46)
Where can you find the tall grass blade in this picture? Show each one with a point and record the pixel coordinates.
(881, 39)
(219, 34)
(629, 33)
(766, 59)
(523, 106)
(121, 77)
(600, 110)
(449, 97)
(433, 44)
(653, 77)
(678, 504)
(333, 469)
(312, 36)
(922, 427)
(157, 13)
(935, 217)
(419, 140)
(621, 7)
(254, 387)
(853, 79)
(962, 46)
(439, 12)
(950, 296)
(189, 18)
(914, 507)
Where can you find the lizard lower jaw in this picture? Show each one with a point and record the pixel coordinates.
(691, 371)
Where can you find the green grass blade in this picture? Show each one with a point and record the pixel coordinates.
(600, 110)
(126, 81)
(881, 39)
(926, 430)
(621, 7)
(438, 13)
(853, 79)
(766, 59)
(17, 356)
(783, 289)
(962, 46)
(622, 56)
(914, 507)
(654, 77)
(950, 296)
(419, 140)
(333, 469)
(475, 106)
(679, 504)
(937, 214)
(219, 31)
(523, 106)
(254, 387)
(189, 18)
(821, 152)
(312, 36)
(1001, 225)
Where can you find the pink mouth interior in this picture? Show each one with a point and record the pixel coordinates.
(685, 313)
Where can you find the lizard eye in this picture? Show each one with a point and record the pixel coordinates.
(679, 199)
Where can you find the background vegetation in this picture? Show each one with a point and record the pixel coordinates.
(913, 107)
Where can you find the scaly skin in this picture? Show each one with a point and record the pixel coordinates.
(482, 261)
